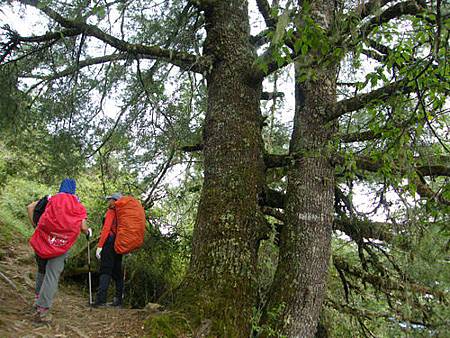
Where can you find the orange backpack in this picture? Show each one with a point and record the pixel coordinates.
(130, 225)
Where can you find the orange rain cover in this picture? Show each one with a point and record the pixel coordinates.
(130, 225)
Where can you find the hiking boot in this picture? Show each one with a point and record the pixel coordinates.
(117, 302)
(35, 306)
(42, 315)
(99, 305)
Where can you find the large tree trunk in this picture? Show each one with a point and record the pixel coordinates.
(219, 289)
(299, 285)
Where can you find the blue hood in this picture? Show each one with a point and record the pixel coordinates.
(68, 185)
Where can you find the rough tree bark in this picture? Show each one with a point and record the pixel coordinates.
(220, 284)
(299, 285)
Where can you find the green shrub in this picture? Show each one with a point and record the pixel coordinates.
(154, 270)
(14, 198)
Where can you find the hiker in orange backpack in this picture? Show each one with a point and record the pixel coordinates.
(57, 230)
(110, 261)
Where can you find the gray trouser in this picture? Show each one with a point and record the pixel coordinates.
(47, 284)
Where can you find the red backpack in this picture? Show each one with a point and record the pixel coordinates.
(59, 226)
(130, 225)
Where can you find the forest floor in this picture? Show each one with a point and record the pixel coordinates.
(71, 315)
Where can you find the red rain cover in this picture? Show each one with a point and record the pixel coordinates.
(59, 226)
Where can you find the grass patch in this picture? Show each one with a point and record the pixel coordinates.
(167, 324)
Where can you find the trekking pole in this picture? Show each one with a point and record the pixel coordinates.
(89, 272)
(124, 277)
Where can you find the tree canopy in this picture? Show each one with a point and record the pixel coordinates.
(339, 214)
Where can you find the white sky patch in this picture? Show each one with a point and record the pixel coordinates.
(26, 20)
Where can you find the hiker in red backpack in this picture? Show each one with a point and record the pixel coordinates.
(57, 230)
(110, 261)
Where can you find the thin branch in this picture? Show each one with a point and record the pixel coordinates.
(364, 313)
(11, 283)
(108, 137)
(421, 101)
(384, 283)
(166, 167)
(184, 60)
(75, 68)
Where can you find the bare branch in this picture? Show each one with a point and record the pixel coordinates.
(148, 201)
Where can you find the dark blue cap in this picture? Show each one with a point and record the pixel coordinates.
(68, 185)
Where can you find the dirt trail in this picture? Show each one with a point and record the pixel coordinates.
(71, 315)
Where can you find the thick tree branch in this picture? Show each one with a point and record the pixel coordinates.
(275, 213)
(264, 9)
(260, 39)
(366, 17)
(374, 55)
(359, 229)
(359, 137)
(365, 163)
(392, 12)
(422, 170)
(49, 36)
(365, 9)
(271, 95)
(425, 191)
(183, 60)
(276, 161)
(193, 148)
(360, 101)
(433, 170)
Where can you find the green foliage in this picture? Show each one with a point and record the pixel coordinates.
(167, 324)
(266, 330)
(391, 301)
(154, 270)
(14, 198)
